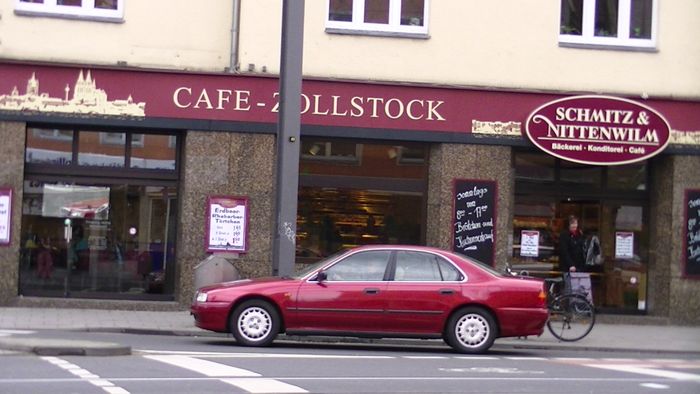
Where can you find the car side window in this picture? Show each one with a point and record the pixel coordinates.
(360, 267)
(449, 272)
(423, 267)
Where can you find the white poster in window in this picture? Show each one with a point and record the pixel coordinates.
(5, 215)
(529, 243)
(624, 245)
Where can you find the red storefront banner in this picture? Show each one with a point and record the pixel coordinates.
(598, 130)
(138, 94)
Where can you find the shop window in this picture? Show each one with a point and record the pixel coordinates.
(89, 233)
(378, 16)
(49, 147)
(611, 215)
(104, 10)
(580, 174)
(111, 151)
(155, 152)
(409, 155)
(95, 152)
(534, 167)
(629, 177)
(341, 151)
(378, 200)
(612, 23)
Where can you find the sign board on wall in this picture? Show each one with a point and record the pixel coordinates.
(474, 218)
(598, 130)
(5, 216)
(691, 240)
(251, 102)
(227, 224)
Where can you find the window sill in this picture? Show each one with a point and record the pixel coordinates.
(372, 33)
(608, 47)
(82, 17)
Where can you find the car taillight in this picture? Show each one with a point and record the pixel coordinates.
(542, 298)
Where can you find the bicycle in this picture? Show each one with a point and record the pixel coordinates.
(571, 315)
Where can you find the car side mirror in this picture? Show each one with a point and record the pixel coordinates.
(321, 276)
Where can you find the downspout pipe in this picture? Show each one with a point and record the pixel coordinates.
(235, 34)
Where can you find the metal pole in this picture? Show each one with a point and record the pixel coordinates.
(284, 247)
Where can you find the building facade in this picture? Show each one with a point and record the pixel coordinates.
(420, 124)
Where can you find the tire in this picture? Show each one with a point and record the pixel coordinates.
(471, 330)
(571, 317)
(255, 323)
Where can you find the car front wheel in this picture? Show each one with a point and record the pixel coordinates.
(255, 323)
(471, 330)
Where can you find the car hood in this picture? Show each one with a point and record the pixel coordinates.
(244, 283)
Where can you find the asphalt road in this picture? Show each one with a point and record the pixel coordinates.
(167, 364)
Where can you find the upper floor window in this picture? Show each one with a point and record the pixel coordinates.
(106, 10)
(615, 23)
(403, 17)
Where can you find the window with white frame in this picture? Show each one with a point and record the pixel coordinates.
(409, 17)
(615, 23)
(105, 10)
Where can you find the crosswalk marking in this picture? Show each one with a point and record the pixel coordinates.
(207, 368)
(242, 378)
(86, 375)
(648, 371)
(263, 385)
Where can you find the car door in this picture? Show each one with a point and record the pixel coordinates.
(424, 289)
(352, 297)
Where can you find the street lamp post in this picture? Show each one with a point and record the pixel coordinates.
(288, 133)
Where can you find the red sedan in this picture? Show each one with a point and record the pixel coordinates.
(379, 291)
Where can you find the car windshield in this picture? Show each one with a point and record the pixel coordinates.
(313, 267)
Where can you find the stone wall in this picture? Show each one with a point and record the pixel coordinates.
(670, 294)
(684, 292)
(217, 163)
(11, 175)
(450, 161)
(660, 236)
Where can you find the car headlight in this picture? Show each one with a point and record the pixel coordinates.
(201, 297)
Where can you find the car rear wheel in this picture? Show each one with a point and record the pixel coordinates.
(471, 330)
(255, 323)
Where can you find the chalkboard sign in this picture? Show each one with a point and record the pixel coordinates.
(474, 218)
(691, 254)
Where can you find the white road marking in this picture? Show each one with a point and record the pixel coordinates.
(207, 368)
(242, 378)
(85, 375)
(424, 357)
(476, 358)
(526, 358)
(7, 333)
(264, 385)
(655, 386)
(648, 371)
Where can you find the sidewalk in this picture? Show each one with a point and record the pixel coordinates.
(604, 337)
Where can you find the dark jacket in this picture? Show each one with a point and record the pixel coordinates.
(571, 251)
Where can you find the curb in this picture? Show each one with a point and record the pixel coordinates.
(504, 343)
(64, 347)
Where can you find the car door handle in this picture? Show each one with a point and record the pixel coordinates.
(447, 291)
(371, 291)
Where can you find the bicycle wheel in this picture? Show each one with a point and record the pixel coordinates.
(571, 317)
